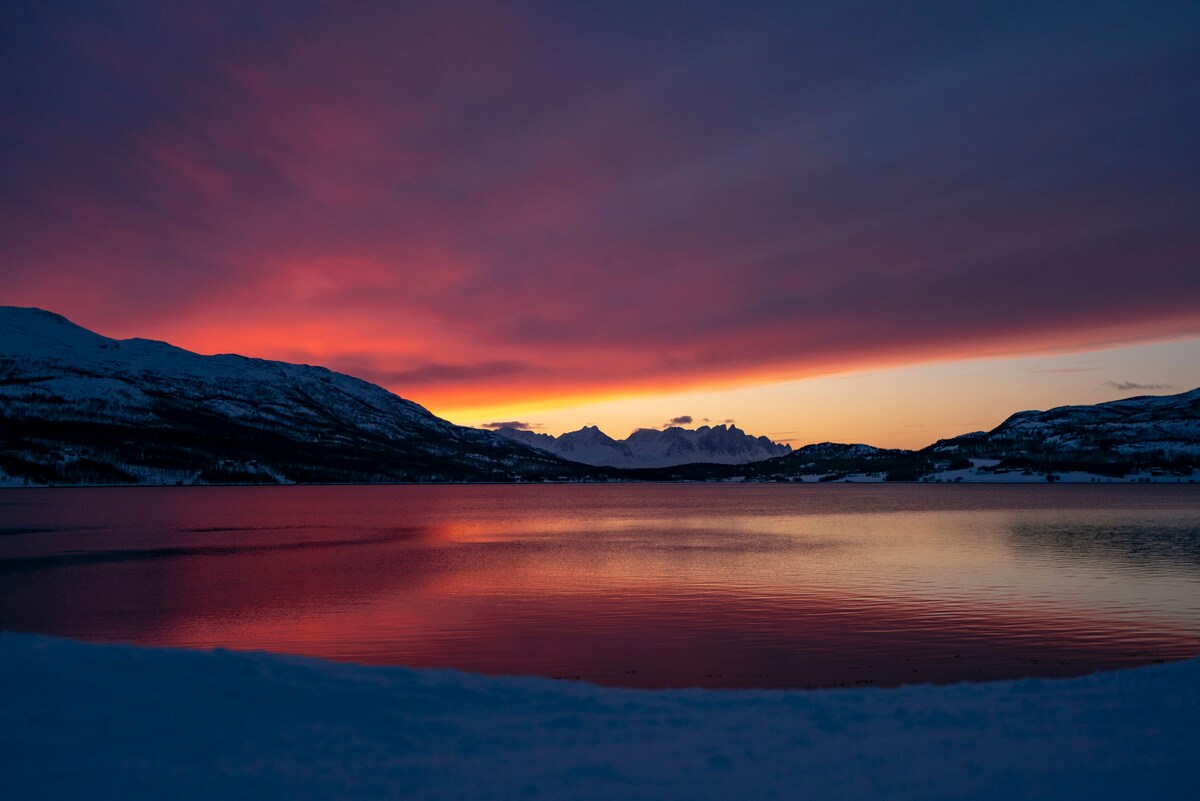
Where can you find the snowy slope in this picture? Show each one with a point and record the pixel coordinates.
(649, 447)
(590, 445)
(1151, 427)
(47, 356)
(77, 407)
(91, 721)
(837, 450)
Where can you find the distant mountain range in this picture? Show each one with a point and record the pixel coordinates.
(80, 408)
(1147, 438)
(650, 447)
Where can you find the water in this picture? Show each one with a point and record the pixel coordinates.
(632, 585)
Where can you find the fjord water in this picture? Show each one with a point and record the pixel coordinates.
(634, 585)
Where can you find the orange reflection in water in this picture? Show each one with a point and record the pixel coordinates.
(635, 585)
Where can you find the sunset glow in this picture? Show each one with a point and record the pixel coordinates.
(616, 216)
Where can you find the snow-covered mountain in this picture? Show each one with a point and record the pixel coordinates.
(836, 450)
(1149, 438)
(77, 407)
(650, 447)
(1163, 428)
(80, 408)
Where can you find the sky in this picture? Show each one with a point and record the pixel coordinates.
(852, 221)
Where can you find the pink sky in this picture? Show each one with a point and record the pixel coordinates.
(486, 209)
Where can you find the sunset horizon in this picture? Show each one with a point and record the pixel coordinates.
(687, 401)
(708, 215)
(912, 419)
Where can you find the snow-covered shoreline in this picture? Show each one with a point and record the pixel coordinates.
(100, 721)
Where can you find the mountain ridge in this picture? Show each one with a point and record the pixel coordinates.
(649, 447)
(1164, 426)
(77, 407)
(1143, 438)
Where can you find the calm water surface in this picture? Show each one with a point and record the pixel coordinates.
(636, 585)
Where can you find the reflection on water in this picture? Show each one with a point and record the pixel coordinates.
(638, 585)
(1162, 541)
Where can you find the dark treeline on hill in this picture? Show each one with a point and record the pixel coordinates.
(823, 462)
(79, 408)
(201, 450)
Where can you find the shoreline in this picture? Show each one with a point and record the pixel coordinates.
(82, 719)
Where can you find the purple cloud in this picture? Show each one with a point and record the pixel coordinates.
(497, 203)
(1125, 386)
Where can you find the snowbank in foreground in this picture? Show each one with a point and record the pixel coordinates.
(91, 721)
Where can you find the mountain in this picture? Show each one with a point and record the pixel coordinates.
(77, 407)
(80, 408)
(823, 451)
(1150, 428)
(1148, 438)
(648, 447)
(588, 445)
(825, 461)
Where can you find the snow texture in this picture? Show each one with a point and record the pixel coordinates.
(49, 357)
(102, 721)
(80, 408)
(151, 413)
(650, 447)
(1158, 426)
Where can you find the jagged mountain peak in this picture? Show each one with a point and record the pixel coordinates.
(651, 447)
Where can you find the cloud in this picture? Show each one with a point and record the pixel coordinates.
(681, 420)
(1125, 386)
(512, 424)
(644, 218)
(435, 372)
(1067, 369)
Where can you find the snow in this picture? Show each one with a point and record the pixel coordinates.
(103, 721)
(649, 447)
(837, 450)
(982, 473)
(54, 358)
(1163, 426)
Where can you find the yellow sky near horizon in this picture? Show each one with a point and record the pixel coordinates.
(906, 406)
